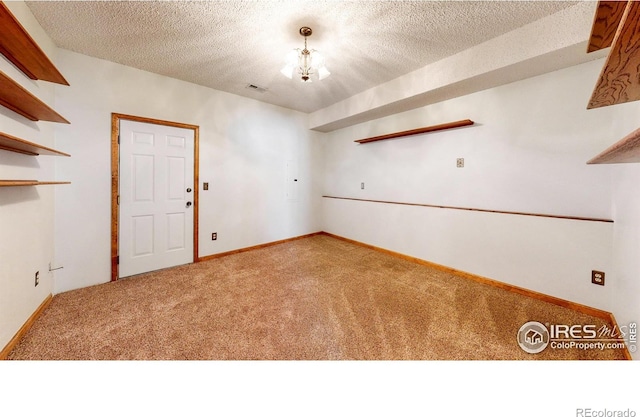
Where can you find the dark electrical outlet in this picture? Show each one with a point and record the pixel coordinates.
(37, 280)
(205, 186)
(597, 277)
(214, 236)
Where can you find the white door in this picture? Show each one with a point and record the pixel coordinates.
(156, 197)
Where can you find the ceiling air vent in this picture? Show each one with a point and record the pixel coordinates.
(256, 88)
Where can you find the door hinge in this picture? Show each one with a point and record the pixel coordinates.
(118, 200)
(118, 139)
(118, 260)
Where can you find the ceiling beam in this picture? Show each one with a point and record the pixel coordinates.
(605, 24)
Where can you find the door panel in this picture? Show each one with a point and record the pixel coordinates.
(176, 231)
(143, 177)
(156, 212)
(142, 235)
(176, 141)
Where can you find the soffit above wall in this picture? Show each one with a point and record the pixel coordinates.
(552, 43)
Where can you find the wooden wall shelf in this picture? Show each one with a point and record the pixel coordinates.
(452, 125)
(24, 183)
(619, 80)
(20, 48)
(13, 144)
(624, 151)
(15, 97)
(605, 24)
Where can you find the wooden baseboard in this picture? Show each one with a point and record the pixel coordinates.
(264, 245)
(605, 315)
(25, 328)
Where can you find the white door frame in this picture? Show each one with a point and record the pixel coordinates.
(115, 181)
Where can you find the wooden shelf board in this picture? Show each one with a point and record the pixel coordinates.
(619, 81)
(452, 125)
(13, 144)
(605, 24)
(15, 97)
(24, 183)
(624, 151)
(20, 48)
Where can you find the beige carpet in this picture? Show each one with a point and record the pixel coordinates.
(313, 298)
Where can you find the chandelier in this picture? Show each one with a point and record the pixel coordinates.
(306, 63)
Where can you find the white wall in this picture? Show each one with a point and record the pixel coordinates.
(551, 256)
(626, 209)
(244, 146)
(26, 213)
(526, 153)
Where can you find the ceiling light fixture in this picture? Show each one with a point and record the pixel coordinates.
(307, 63)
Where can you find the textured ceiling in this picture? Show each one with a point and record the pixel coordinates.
(226, 45)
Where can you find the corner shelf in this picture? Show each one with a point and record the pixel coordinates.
(23, 183)
(625, 150)
(619, 81)
(14, 97)
(13, 144)
(452, 125)
(605, 24)
(20, 48)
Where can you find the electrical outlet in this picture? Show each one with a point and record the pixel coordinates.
(214, 236)
(37, 280)
(460, 162)
(205, 186)
(597, 277)
(362, 185)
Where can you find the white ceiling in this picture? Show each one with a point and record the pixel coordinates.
(226, 45)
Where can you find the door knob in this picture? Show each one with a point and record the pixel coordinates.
(188, 190)
(188, 203)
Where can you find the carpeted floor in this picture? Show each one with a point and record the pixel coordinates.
(313, 298)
